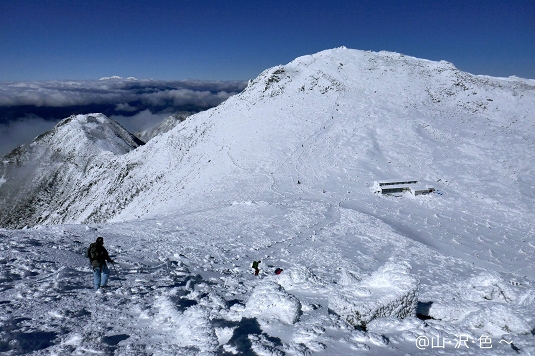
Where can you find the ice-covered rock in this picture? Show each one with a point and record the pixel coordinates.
(498, 319)
(485, 302)
(347, 278)
(299, 278)
(527, 298)
(390, 291)
(190, 328)
(486, 286)
(270, 301)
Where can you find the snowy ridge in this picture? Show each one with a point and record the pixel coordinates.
(42, 178)
(282, 173)
(166, 125)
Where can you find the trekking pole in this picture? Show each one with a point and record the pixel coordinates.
(117, 274)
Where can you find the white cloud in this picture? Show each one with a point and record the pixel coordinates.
(125, 107)
(22, 131)
(28, 109)
(116, 92)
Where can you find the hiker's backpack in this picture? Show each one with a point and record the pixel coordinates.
(92, 252)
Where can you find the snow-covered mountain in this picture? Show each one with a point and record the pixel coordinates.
(40, 179)
(334, 122)
(166, 125)
(283, 173)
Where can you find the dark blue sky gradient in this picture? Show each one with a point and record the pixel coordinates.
(236, 40)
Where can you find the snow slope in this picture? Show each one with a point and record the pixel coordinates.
(282, 173)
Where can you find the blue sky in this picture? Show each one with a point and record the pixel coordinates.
(236, 40)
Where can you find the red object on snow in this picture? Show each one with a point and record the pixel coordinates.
(278, 271)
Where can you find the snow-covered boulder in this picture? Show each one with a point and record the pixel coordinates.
(486, 302)
(299, 278)
(498, 319)
(188, 329)
(390, 291)
(270, 301)
(487, 286)
(347, 278)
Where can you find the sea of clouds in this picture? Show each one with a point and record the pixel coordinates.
(28, 109)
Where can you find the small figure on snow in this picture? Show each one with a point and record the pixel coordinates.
(255, 266)
(278, 271)
(98, 255)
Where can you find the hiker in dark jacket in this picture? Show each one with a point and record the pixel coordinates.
(98, 256)
(255, 267)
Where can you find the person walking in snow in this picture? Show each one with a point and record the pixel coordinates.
(98, 255)
(255, 267)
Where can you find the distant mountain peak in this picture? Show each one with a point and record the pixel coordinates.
(40, 177)
(96, 132)
(112, 77)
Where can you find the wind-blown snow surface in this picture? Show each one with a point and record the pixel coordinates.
(282, 173)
